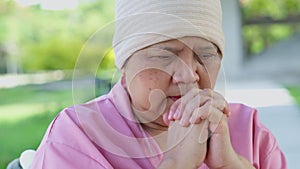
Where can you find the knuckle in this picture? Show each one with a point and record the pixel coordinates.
(209, 91)
(195, 90)
(218, 94)
(223, 121)
(209, 103)
(192, 108)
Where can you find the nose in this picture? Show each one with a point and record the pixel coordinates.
(185, 70)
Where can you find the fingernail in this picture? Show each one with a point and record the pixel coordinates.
(175, 116)
(166, 120)
(228, 114)
(182, 122)
(170, 115)
(193, 119)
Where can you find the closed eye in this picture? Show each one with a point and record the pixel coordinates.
(162, 57)
(205, 58)
(206, 55)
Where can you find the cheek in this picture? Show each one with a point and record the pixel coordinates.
(208, 75)
(142, 84)
(148, 81)
(214, 70)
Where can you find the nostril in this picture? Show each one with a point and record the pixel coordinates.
(197, 77)
(174, 80)
(185, 76)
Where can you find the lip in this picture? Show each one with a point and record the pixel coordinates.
(174, 98)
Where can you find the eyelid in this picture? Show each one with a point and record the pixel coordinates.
(164, 57)
(202, 59)
(206, 55)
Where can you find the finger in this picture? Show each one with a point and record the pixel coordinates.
(218, 101)
(203, 96)
(194, 103)
(191, 109)
(204, 133)
(220, 127)
(179, 104)
(215, 119)
(222, 104)
(200, 113)
(215, 115)
(166, 120)
(193, 114)
(204, 112)
(173, 109)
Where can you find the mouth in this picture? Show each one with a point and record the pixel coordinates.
(174, 98)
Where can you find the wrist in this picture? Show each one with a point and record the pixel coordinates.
(172, 163)
(239, 162)
(167, 163)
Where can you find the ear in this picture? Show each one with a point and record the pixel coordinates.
(123, 79)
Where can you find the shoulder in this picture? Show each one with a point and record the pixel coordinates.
(238, 108)
(72, 123)
(245, 119)
(67, 133)
(252, 139)
(67, 123)
(242, 115)
(53, 154)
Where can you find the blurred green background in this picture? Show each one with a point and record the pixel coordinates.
(34, 39)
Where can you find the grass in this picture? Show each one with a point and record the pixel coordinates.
(21, 102)
(25, 113)
(295, 92)
(21, 135)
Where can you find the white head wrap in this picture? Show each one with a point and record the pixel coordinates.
(141, 23)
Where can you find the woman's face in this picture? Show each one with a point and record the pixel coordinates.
(156, 76)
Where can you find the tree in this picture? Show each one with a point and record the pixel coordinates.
(258, 37)
(49, 40)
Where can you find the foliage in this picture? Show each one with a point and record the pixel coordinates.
(46, 40)
(277, 9)
(259, 37)
(295, 92)
(49, 40)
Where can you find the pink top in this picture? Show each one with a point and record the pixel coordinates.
(103, 133)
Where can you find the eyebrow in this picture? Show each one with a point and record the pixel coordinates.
(213, 47)
(176, 49)
(171, 49)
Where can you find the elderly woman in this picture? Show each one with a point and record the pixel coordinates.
(163, 112)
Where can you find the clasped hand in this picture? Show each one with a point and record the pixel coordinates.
(198, 131)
